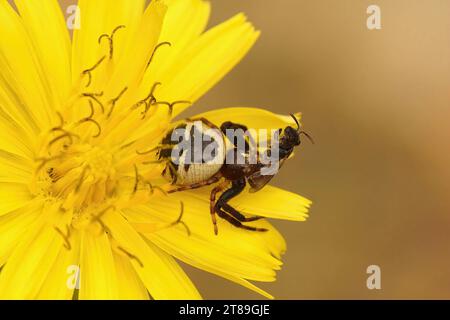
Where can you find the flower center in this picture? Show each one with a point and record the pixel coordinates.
(81, 176)
(89, 161)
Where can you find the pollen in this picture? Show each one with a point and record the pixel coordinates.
(81, 174)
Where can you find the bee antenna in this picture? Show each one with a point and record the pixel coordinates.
(307, 135)
(296, 121)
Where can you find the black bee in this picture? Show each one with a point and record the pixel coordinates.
(196, 175)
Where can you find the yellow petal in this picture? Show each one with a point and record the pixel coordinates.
(234, 251)
(13, 137)
(14, 168)
(102, 17)
(97, 268)
(254, 118)
(275, 203)
(48, 32)
(31, 261)
(162, 276)
(23, 82)
(207, 61)
(15, 226)
(61, 280)
(130, 285)
(129, 71)
(270, 202)
(181, 255)
(185, 20)
(13, 196)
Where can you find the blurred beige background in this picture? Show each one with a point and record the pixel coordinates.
(378, 105)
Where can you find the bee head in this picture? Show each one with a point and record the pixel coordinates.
(292, 136)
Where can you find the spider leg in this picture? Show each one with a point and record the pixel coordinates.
(236, 126)
(232, 125)
(237, 223)
(212, 202)
(208, 182)
(237, 215)
(203, 120)
(227, 212)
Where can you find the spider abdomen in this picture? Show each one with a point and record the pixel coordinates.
(197, 153)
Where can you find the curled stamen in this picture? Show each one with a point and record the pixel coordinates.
(147, 163)
(152, 92)
(66, 134)
(151, 99)
(147, 108)
(59, 128)
(103, 212)
(157, 148)
(117, 29)
(93, 121)
(94, 97)
(127, 145)
(155, 50)
(103, 36)
(152, 190)
(66, 237)
(81, 180)
(88, 72)
(138, 104)
(143, 153)
(180, 221)
(104, 227)
(61, 120)
(114, 101)
(91, 106)
(111, 46)
(173, 104)
(151, 187)
(136, 183)
(131, 256)
(139, 178)
(44, 161)
(181, 102)
(165, 103)
(110, 39)
(173, 171)
(164, 192)
(97, 218)
(151, 95)
(148, 101)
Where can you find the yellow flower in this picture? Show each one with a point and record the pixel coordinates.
(75, 193)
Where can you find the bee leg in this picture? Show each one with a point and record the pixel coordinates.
(237, 215)
(237, 223)
(236, 189)
(225, 211)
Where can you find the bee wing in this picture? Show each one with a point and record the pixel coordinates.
(258, 181)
